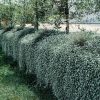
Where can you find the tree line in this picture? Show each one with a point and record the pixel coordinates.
(51, 11)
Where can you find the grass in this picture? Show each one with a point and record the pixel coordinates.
(12, 87)
(15, 86)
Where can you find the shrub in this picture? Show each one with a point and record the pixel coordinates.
(19, 37)
(7, 42)
(80, 38)
(27, 47)
(24, 47)
(43, 54)
(71, 70)
(3, 38)
(58, 60)
(11, 41)
(1, 31)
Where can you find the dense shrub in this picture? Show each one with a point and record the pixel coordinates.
(71, 70)
(7, 42)
(27, 47)
(24, 47)
(81, 79)
(5, 39)
(1, 31)
(44, 51)
(10, 41)
(17, 38)
(59, 60)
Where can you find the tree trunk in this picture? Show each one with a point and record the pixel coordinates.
(36, 16)
(11, 14)
(24, 14)
(67, 16)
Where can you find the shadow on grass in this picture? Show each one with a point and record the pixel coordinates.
(16, 77)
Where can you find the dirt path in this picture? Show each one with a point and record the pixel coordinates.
(73, 27)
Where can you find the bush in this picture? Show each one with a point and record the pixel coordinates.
(27, 47)
(1, 31)
(80, 38)
(58, 60)
(3, 38)
(71, 70)
(24, 47)
(7, 44)
(10, 41)
(17, 38)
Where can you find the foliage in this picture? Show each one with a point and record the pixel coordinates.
(12, 86)
(58, 61)
(35, 11)
(10, 41)
(80, 38)
(69, 64)
(27, 48)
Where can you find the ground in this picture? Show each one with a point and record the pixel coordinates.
(13, 87)
(16, 86)
(72, 27)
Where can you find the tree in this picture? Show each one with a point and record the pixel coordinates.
(41, 9)
(63, 8)
(11, 15)
(23, 11)
(97, 7)
(36, 15)
(67, 15)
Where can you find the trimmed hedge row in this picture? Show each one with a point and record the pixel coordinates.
(10, 41)
(71, 69)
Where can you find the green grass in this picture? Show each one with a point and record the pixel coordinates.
(17, 86)
(12, 87)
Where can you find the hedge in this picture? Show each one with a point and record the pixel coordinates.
(70, 64)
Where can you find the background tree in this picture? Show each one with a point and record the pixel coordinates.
(63, 9)
(47, 11)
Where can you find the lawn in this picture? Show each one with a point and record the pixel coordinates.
(12, 87)
(17, 86)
